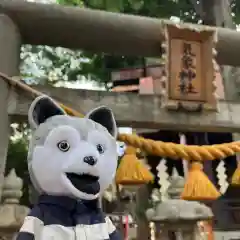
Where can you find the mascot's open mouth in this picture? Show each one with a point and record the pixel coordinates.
(84, 182)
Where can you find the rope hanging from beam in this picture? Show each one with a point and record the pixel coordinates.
(180, 151)
(197, 185)
(158, 148)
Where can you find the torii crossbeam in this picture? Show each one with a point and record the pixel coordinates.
(100, 31)
(146, 110)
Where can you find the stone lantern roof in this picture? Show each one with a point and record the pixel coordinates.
(176, 209)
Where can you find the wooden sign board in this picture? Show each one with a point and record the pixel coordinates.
(190, 74)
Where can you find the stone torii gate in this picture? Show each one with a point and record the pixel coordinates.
(76, 28)
(54, 25)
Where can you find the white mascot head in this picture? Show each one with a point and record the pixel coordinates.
(71, 156)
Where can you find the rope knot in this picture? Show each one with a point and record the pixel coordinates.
(196, 166)
(130, 150)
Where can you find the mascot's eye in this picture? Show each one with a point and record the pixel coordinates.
(100, 148)
(63, 146)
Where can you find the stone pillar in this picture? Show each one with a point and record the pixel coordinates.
(11, 213)
(178, 217)
(9, 64)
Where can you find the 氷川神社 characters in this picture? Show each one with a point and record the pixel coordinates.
(71, 161)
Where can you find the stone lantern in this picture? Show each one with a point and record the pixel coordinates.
(12, 214)
(176, 218)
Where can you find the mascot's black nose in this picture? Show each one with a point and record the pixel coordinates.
(90, 160)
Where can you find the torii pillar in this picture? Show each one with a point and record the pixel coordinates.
(9, 64)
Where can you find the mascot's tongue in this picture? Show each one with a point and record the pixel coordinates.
(84, 182)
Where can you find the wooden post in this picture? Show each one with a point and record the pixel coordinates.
(9, 63)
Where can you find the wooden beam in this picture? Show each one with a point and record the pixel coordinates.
(137, 111)
(99, 31)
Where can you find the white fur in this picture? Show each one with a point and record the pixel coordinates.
(48, 164)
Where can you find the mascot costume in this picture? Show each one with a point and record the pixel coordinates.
(71, 162)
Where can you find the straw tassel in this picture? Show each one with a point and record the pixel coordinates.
(236, 176)
(198, 186)
(132, 171)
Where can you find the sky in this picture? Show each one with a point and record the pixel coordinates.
(89, 85)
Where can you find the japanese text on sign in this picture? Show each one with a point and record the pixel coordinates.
(188, 72)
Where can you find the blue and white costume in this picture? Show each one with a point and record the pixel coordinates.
(71, 162)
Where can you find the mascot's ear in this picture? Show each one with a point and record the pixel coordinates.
(41, 109)
(104, 116)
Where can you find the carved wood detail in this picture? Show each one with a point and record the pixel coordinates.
(190, 69)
